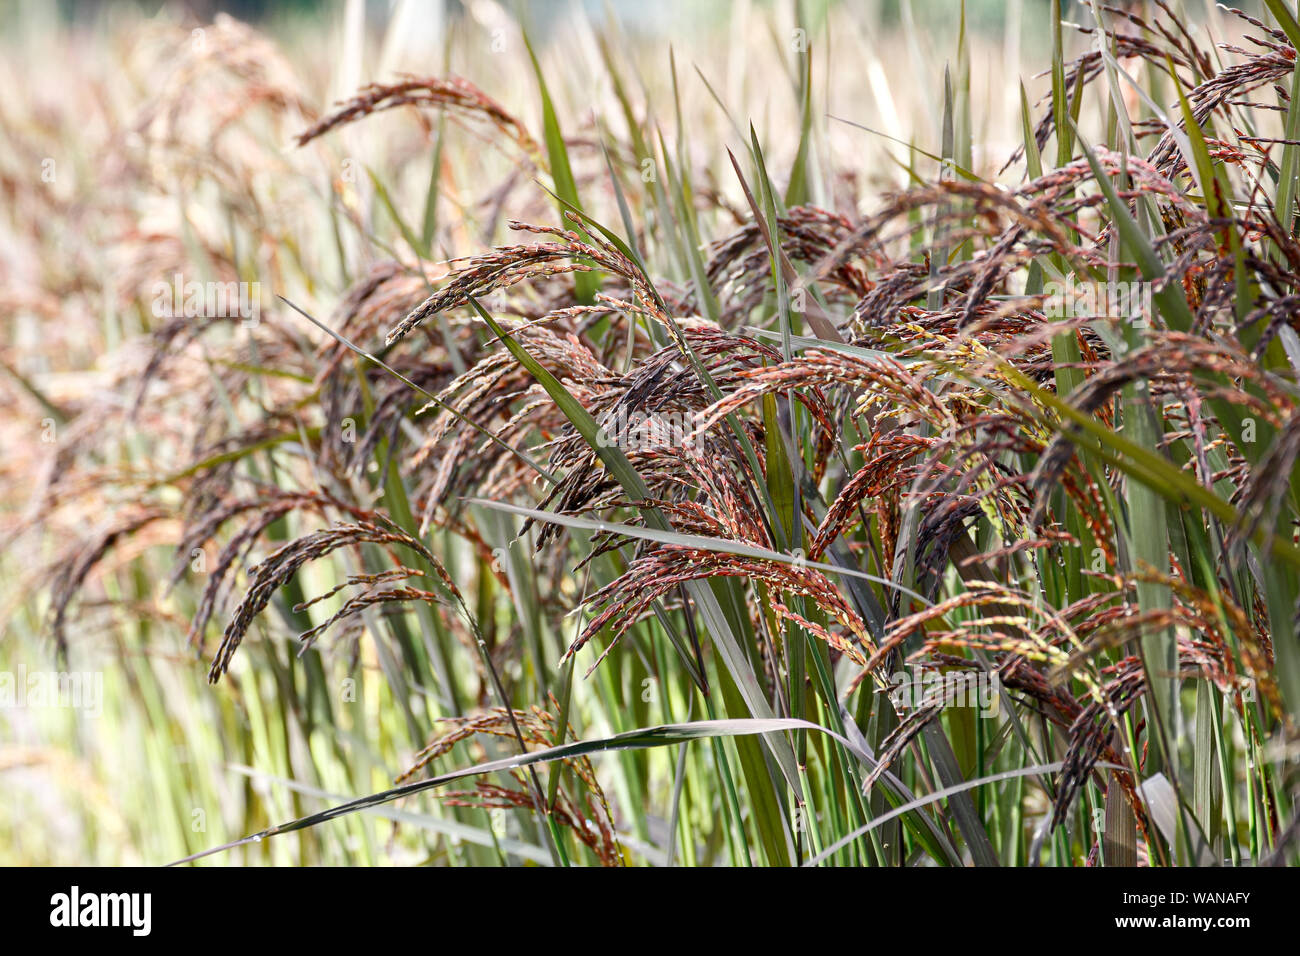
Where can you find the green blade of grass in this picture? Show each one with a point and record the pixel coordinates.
(664, 735)
(585, 284)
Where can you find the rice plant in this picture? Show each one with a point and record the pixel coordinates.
(591, 453)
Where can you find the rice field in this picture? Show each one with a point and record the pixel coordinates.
(759, 434)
